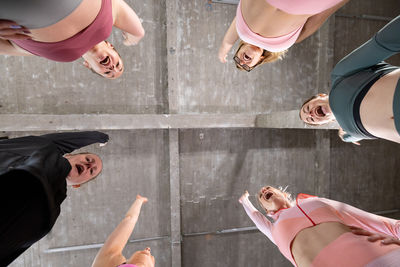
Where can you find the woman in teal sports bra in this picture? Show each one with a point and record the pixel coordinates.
(365, 94)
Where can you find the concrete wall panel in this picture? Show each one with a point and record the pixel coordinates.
(36, 85)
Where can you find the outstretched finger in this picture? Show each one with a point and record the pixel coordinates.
(14, 33)
(373, 238)
(9, 24)
(359, 231)
(17, 36)
(144, 199)
(390, 240)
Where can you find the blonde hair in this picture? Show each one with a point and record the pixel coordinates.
(283, 190)
(268, 56)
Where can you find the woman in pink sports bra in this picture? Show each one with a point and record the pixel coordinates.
(267, 28)
(110, 255)
(81, 33)
(319, 232)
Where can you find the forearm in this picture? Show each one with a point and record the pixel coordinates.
(128, 21)
(231, 35)
(315, 22)
(383, 45)
(7, 48)
(229, 40)
(119, 237)
(68, 142)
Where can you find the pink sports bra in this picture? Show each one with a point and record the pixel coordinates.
(74, 47)
(281, 43)
(272, 44)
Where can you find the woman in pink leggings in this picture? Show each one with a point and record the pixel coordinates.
(110, 255)
(320, 232)
(268, 27)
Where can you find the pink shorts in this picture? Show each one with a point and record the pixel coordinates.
(350, 250)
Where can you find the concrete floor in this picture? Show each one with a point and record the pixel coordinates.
(192, 134)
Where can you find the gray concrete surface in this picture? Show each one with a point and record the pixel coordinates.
(192, 134)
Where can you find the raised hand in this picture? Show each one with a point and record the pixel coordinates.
(10, 30)
(143, 199)
(244, 196)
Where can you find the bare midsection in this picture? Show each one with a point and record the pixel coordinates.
(376, 109)
(268, 21)
(310, 241)
(75, 22)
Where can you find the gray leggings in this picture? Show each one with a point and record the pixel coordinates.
(34, 14)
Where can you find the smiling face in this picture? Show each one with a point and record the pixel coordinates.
(104, 60)
(317, 111)
(84, 167)
(249, 54)
(273, 199)
(142, 258)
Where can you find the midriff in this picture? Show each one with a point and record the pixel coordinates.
(310, 241)
(268, 21)
(75, 22)
(376, 109)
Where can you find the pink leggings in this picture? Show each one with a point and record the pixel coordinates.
(350, 250)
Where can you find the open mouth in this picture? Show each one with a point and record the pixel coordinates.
(79, 168)
(320, 112)
(268, 195)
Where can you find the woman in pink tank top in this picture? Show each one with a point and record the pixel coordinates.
(267, 28)
(319, 232)
(81, 33)
(110, 255)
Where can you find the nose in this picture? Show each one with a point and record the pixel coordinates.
(266, 188)
(148, 249)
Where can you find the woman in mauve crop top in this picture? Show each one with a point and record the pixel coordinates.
(267, 28)
(110, 253)
(323, 221)
(365, 94)
(76, 29)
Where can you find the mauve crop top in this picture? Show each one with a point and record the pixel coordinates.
(74, 47)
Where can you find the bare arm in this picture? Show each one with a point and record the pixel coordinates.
(362, 219)
(315, 22)
(10, 30)
(7, 48)
(111, 252)
(127, 20)
(262, 223)
(230, 38)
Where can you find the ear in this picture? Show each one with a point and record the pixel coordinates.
(109, 44)
(76, 186)
(86, 64)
